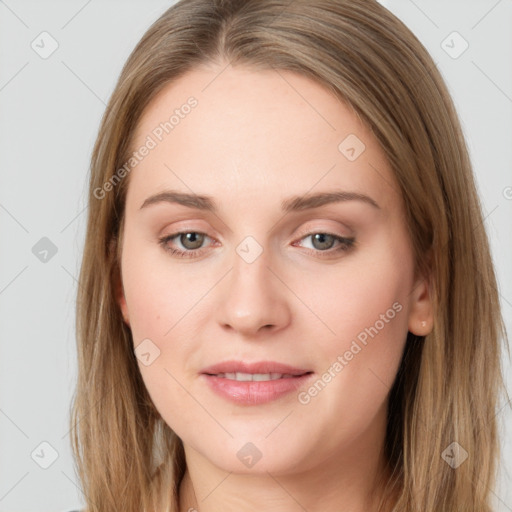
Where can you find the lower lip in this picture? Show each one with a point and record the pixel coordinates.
(255, 392)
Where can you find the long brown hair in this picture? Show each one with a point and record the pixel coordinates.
(448, 383)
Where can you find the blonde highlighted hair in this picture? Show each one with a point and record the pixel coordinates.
(448, 383)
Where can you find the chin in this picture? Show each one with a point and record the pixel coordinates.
(240, 455)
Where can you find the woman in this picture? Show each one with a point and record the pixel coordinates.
(286, 300)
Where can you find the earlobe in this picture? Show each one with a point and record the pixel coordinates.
(421, 314)
(124, 308)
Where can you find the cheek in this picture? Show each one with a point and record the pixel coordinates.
(165, 309)
(364, 292)
(156, 294)
(158, 304)
(365, 304)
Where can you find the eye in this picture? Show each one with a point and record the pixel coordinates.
(192, 242)
(324, 242)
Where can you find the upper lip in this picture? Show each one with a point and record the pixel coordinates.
(256, 367)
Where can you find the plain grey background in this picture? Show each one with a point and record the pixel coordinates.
(50, 108)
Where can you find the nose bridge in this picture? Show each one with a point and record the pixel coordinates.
(253, 296)
(251, 266)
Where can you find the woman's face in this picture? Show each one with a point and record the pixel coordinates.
(272, 271)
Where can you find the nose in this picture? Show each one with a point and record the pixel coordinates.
(254, 299)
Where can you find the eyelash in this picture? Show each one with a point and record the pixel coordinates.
(345, 244)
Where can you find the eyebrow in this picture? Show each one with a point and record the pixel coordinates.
(295, 203)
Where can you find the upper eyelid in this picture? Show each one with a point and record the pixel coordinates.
(350, 232)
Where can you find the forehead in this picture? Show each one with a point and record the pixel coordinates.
(249, 131)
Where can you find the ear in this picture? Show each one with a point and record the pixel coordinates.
(118, 288)
(421, 311)
(121, 300)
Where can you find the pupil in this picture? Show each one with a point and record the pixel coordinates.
(321, 238)
(194, 238)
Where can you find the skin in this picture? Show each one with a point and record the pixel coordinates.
(255, 139)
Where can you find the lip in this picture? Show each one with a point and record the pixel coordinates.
(254, 392)
(256, 367)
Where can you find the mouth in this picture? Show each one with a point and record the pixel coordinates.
(254, 383)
